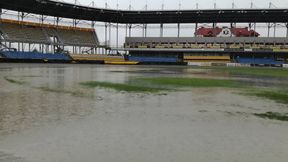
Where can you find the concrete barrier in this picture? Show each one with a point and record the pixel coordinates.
(232, 64)
(199, 64)
(218, 64)
(285, 65)
(194, 63)
(237, 65)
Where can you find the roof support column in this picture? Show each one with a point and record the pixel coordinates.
(214, 25)
(274, 34)
(93, 24)
(145, 30)
(74, 23)
(126, 30)
(18, 46)
(178, 27)
(117, 36)
(109, 44)
(106, 36)
(233, 25)
(254, 29)
(286, 30)
(58, 20)
(1, 41)
(130, 28)
(22, 45)
(161, 30)
(269, 27)
(196, 28)
(42, 19)
(18, 16)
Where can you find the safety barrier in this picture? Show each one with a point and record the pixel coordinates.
(200, 64)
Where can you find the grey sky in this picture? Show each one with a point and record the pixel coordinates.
(185, 4)
(174, 4)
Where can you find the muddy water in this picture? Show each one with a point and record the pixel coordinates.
(47, 117)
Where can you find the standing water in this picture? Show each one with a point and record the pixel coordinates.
(46, 115)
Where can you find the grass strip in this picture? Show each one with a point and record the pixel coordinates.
(121, 87)
(278, 96)
(273, 116)
(191, 82)
(256, 71)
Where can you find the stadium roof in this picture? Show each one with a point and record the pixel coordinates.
(67, 10)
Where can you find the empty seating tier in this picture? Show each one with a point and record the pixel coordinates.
(259, 61)
(35, 56)
(27, 32)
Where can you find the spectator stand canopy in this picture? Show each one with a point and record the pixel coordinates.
(67, 10)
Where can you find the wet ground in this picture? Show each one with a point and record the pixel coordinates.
(46, 116)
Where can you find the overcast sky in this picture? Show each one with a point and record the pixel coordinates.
(174, 4)
(185, 4)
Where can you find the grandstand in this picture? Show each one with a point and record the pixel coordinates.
(46, 35)
(14, 56)
(211, 49)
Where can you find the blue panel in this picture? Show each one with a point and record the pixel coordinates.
(35, 56)
(264, 61)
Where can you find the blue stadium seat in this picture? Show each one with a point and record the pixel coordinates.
(259, 61)
(36, 56)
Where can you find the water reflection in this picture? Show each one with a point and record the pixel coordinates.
(104, 125)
